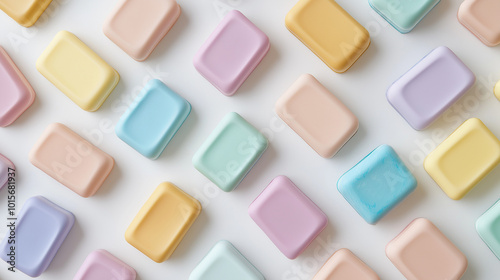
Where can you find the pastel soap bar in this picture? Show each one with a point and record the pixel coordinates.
(71, 160)
(481, 18)
(329, 32)
(137, 26)
(497, 90)
(430, 87)
(162, 222)
(41, 228)
(16, 93)
(488, 227)
(230, 152)
(403, 15)
(224, 261)
(377, 183)
(422, 252)
(231, 53)
(287, 216)
(317, 116)
(102, 265)
(25, 12)
(7, 170)
(153, 119)
(343, 264)
(77, 71)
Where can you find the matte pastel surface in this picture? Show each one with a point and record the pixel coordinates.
(42, 226)
(317, 116)
(231, 52)
(488, 227)
(16, 93)
(422, 252)
(329, 32)
(376, 184)
(403, 15)
(430, 87)
(5, 164)
(162, 222)
(288, 217)
(344, 265)
(137, 26)
(224, 262)
(77, 71)
(102, 265)
(230, 152)
(464, 158)
(481, 18)
(153, 119)
(25, 12)
(73, 161)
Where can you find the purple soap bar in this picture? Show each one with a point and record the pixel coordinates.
(423, 93)
(102, 265)
(7, 170)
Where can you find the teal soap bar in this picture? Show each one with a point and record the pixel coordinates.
(153, 119)
(403, 15)
(230, 151)
(225, 262)
(377, 183)
(488, 227)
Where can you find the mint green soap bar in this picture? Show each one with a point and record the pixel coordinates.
(230, 152)
(488, 227)
(403, 15)
(225, 262)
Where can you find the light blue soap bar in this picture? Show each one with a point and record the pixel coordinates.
(403, 15)
(41, 228)
(153, 119)
(225, 262)
(488, 227)
(377, 183)
(230, 152)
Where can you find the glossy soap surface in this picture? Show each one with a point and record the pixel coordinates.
(464, 158)
(25, 12)
(488, 227)
(344, 265)
(481, 18)
(102, 265)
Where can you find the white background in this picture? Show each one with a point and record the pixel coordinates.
(102, 219)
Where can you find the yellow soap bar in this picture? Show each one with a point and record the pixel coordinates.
(497, 90)
(25, 12)
(77, 71)
(162, 222)
(464, 158)
(329, 31)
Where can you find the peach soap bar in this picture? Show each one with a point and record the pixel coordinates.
(77, 71)
(329, 32)
(137, 26)
(317, 116)
(71, 160)
(25, 12)
(162, 222)
(481, 18)
(344, 265)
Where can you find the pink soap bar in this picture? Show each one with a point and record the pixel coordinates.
(7, 170)
(344, 265)
(481, 17)
(288, 217)
(102, 265)
(16, 93)
(231, 53)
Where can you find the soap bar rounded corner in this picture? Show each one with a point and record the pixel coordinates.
(496, 90)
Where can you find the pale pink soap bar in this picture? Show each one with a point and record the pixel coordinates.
(422, 252)
(102, 265)
(231, 52)
(287, 216)
(344, 265)
(482, 18)
(71, 160)
(138, 26)
(317, 116)
(16, 93)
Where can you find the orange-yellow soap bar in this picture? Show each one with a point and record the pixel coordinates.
(25, 12)
(329, 31)
(162, 222)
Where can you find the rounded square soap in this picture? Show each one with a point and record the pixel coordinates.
(344, 265)
(137, 26)
(287, 216)
(25, 12)
(231, 52)
(481, 18)
(317, 116)
(102, 265)
(488, 228)
(329, 32)
(464, 158)
(422, 252)
(153, 119)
